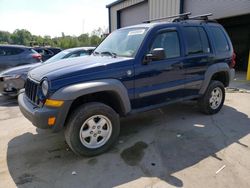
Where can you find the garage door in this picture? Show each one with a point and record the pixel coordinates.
(238, 29)
(134, 15)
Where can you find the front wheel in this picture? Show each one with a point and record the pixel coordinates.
(213, 99)
(92, 129)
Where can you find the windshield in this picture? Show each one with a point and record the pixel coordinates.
(58, 56)
(123, 42)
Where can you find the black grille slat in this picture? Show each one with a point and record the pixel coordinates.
(31, 90)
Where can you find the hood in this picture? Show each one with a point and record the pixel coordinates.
(71, 66)
(20, 70)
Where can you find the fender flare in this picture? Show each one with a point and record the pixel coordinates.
(72, 92)
(218, 67)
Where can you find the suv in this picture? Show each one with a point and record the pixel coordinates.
(16, 55)
(134, 69)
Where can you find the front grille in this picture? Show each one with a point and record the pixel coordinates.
(31, 89)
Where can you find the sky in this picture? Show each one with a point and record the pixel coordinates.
(52, 17)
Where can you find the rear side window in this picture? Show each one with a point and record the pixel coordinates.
(221, 44)
(48, 52)
(197, 41)
(169, 41)
(7, 51)
(2, 52)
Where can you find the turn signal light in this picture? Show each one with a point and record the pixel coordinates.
(53, 103)
(51, 121)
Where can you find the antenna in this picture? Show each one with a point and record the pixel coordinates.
(180, 16)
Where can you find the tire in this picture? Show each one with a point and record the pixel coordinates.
(209, 103)
(92, 129)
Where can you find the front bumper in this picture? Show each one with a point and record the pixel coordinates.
(39, 115)
(11, 87)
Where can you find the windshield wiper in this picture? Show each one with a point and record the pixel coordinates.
(112, 54)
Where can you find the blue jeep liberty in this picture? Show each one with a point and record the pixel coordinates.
(134, 69)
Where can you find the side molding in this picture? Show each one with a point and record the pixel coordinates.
(218, 67)
(77, 90)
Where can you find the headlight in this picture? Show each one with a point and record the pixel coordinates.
(45, 87)
(11, 77)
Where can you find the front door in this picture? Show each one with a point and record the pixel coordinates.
(162, 80)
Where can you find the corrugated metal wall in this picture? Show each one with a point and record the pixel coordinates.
(157, 9)
(114, 9)
(134, 14)
(219, 8)
(163, 8)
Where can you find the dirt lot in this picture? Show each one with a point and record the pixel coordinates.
(173, 146)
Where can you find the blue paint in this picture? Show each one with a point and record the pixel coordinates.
(152, 77)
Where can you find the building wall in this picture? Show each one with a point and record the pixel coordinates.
(219, 8)
(114, 9)
(134, 14)
(157, 9)
(163, 8)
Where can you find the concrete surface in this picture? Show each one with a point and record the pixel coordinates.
(175, 146)
(240, 82)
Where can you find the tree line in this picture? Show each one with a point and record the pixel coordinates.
(24, 37)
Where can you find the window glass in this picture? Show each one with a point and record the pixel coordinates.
(123, 42)
(197, 41)
(194, 45)
(2, 52)
(76, 54)
(33, 51)
(83, 53)
(169, 41)
(39, 51)
(221, 44)
(48, 52)
(90, 52)
(204, 40)
(13, 51)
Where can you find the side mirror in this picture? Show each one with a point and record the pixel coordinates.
(157, 54)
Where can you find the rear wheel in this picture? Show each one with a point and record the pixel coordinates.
(92, 129)
(213, 99)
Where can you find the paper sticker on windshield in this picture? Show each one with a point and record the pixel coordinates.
(136, 32)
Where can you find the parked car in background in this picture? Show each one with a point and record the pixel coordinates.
(13, 79)
(15, 55)
(47, 52)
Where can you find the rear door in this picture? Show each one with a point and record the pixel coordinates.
(198, 56)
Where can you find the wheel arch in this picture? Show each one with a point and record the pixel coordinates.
(108, 91)
(219, 72)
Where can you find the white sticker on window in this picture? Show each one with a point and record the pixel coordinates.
(136, 32)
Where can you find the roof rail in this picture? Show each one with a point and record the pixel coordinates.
(201, 17)
(180, 16)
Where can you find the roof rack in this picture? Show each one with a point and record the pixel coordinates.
(183, 16)
(203, 17)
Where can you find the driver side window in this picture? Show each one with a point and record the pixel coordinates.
(169, 41)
